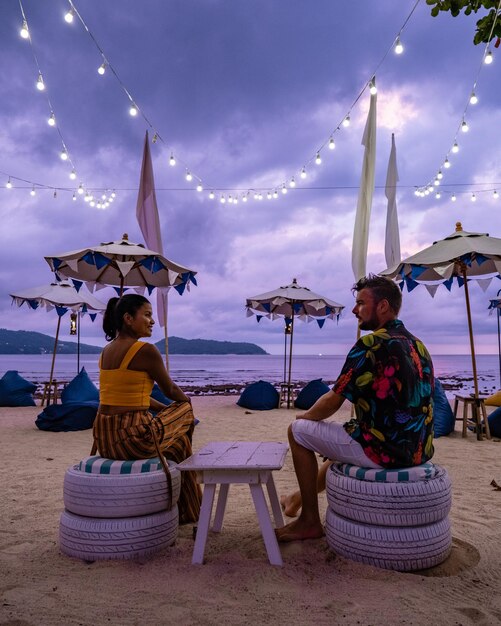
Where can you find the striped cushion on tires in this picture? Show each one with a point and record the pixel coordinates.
(99, 465)
(403, 474)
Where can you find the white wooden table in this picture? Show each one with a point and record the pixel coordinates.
(226, 462)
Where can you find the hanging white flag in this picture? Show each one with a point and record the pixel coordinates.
(366, 190)
(392, 241)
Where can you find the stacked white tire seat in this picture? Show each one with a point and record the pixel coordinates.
(395, 519)
(118, 509)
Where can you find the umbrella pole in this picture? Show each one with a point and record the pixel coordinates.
(290, 360)
(352, 409)
(166, 336)
(499, 343)
(54, 356)
(476, 405)
(285, 352)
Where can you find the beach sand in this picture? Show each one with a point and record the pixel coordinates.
(236, 585)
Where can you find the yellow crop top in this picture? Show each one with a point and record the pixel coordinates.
(125, 387)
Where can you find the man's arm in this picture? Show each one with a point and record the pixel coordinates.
(324, 407)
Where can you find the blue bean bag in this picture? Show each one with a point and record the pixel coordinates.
(310, 393)
(260, 396)
(494, 420)
(16, 390)
(443, 417)
(158, 395)
(80, 389)
(67, 417)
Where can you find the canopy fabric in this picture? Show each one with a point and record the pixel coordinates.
(477, 254)
(63, 296)
(121, 264)
(293, 298)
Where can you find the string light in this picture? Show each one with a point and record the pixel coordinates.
(488, 59)
(74, 197)
(318, 159)
(133, 111)
(40, 83)
(284, 189)
(303, 173)
(245, 197)
(473, 197)
(464, 127)
(440, 175)
(275, 194)
(292, 183)
(199, 187)
(54, 195)
(52, 120)
(473, 98)
(437, 195)
(24, 32)
(453, 197)
(447, 163)
(73, 174)
(346, 121)
(455, 147)
(8, 184)
(495, 195)
(102, 68)
(398, 46)
(372, 87)
(68, 16)
(222, 199)
(172, 160)
(212, 195)
(80, 189)
(189, 177)
(33, 192)
(332, 144)
(63, 155)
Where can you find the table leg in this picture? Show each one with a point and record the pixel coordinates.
(274, 501)
(465, 417)
(476, 419)
(270, 539)
(220, 507)
(203, 524)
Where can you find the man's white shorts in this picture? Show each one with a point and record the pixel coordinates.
(330, 440)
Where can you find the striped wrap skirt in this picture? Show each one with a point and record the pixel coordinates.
(140, 435)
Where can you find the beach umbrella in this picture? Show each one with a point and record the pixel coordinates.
(62, 296)
(289, 303)
(121, 264)
(463, 256)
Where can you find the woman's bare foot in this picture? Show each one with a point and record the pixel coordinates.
(291, 504)
(299, 530)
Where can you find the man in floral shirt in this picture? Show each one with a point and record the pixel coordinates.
(388, 376)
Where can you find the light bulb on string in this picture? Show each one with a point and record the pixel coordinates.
(245, 197)
(222, 199)
(455, 147)
(292, 183)
(102, 68)
(453, 197)
(188, 176)
(74, 197)
(275, 194)
(284, 189)
(73, 174)
(55, 193)
(260, 196)
(440, 175)
(398, 46)
(318, 159)
(495, 195)
(436, 182)
(199, 187)
(332, 144)
(52, 120)
(268, 195)
(68, 16)
(346, 121)
(417, 192)
(92, 203)
(438, 195)
(473, 98)
(430, 188)
(303, 173)
(24, 32)
(488, 58)
(40, 83)
(113, 194)
(235, 200)
(33, 192)
(87, 196)
(230, 199)
(256, 195)
(464, 127)
(211, 195)
(447, 163)
(80, 189)
(103, 196)
(133, 110)
(172, 160)
(473, 197)
(63, 155)
(427, 192)
(8, 184)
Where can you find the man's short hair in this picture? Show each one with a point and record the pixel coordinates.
(382, 288)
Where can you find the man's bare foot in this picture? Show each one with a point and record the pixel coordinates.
(299, 531)
(291, 504)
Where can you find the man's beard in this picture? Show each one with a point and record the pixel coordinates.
(370, 324)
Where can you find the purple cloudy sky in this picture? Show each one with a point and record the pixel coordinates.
(244, 93)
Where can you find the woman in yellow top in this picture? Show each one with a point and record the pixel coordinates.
(124, 428)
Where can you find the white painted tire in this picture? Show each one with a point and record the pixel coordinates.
(119, 495)
(93, 539)
(403, 549)
(389, 503)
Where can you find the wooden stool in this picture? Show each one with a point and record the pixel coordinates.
(477, 406)
(285, 395)
(50, 388)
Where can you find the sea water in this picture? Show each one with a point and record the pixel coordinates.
(202, 371)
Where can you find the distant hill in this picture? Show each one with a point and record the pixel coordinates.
(177, 345)
(30, 342)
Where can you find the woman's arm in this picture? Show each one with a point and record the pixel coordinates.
(150, 360)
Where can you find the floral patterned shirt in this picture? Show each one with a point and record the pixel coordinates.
(388, 376)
